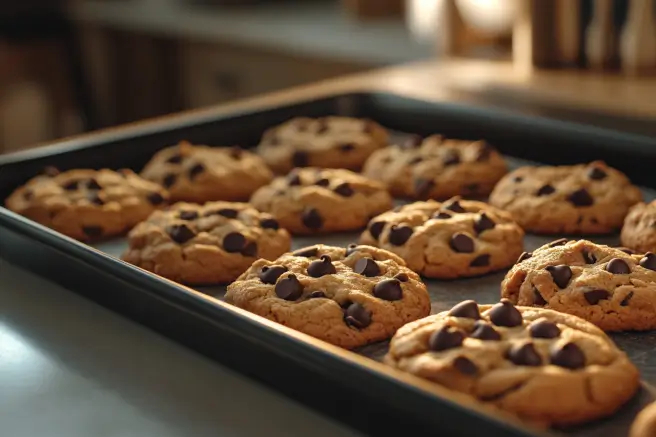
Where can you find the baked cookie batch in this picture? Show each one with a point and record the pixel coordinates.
(202, 215)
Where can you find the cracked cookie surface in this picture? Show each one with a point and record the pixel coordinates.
(199, 174)
(437, 168)
(88, 204)
(606, 286)
(208, 244)
(639, 230)
(329, 142)
(313, 200)
(586, 199)
(539, 364)
(345, 296)
(451, 239)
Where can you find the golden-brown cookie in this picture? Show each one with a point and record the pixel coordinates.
(639, 230)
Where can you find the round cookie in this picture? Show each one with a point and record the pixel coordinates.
(639, 230)
(328, 142)
(586, 199)
(88, 204)
(209, 244)
(201, 173)
(457, 238)
(538, 364)
(644, 424)
(345, 296)
(437, 168)
(606, 286)
(312, 200)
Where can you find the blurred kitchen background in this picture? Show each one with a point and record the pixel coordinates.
(73, 66)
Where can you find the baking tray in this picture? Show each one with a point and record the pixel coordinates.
(350, 386)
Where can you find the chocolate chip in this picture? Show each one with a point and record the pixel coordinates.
(504, 313)
(71, 185)
(321, 267)
(389, 289)
(597, 174)
(588, 257)
(366, 267)
(312, 219)
(155, 198)
(543, 328)
(92, 231)
(347, 147)
(537, 297)
(423, 187)
(467, 309)
(524, 355)
(453, 205)
(480, 261)
(307, 252)
(524, 256)
(228, 213)
(451, 158)
(484, 331)
(269, 223)
(399, 235)
(93, 184)
(484, 152)
(50, 171)
(445, 338)
(518, 179)
(626, 250)
(293, 178)
(560, 274)
(649, 261)
(594, 296)
(180, 233)
(270, 274)
(317, 295)
(402, 277)
(483, 223)
(461, 243)
(376, 228)
(618, 266)
(412, 142)
(169, 180)
(28, 194)
(300, 159)
(465, 366)
(626, 299)
(96, 199)
(344, 189)
(580, 197)
(289, 288)
(559, 242)
(250, 249)
(236, 153)
(322, 182)
(545, 190)
(233, 242)
(196, 170)
(357, 316)
(188, 215)
(351, 248)
(415, 160)
(442, 215)
(570, 356)
(175, 159)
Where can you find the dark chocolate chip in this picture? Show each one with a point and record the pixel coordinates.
(293, 178)
(523, 257)
(92, 231)
(545, 190)
(597, 174)
(300, 159)
(423, 187)
(270, 274)
(461, 243)
(524, 355)
(93, 184)
(560, 274)
(626, 299)
(347, 147)
(580, 197)
(322, 126)
(307, 252)
(594, 296)
(312, 219)
(317, 294)
(465, 366)
(588, 257)
(389, 289)
(451, 158)
(344, 189)
(376, 228)
(537, 297)
(483, 223)
(570, 356)
(484, 331)
(50, 171)
(169, 180)
(236, 153)
(351, 248)
(322, 182)
(71, 185)
(402, 277)
(155, 198)
(518, 179)
(357, 316)
(626, 250)
(269, 223)
(321, 267)
(618, 266)
(96, 198)
(453, 205)
(504, 313)
(28, 194)
(480, 261)
(289, 288)
(649, 261)
(559, 242)
(196, 170)
(234, 242)
(180, 233)
(484, 152)
(175, 159)
(188, 215)
(448, 337)
(543, 328)
(228, 213)
(399, 235)
(250, 249)
(442, 215)
(467, 309)
(366, 267)
(412, 142)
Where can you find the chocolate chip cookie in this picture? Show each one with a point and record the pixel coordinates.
(538, 364)
(209, 244)
(639, 230)
(606, 286)
(584, 199)
(202, 173)
(644, 424)
(345, 296)
(437, 168)
(313, 200)
(456, 238)
(328, 142)
(88, 204)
